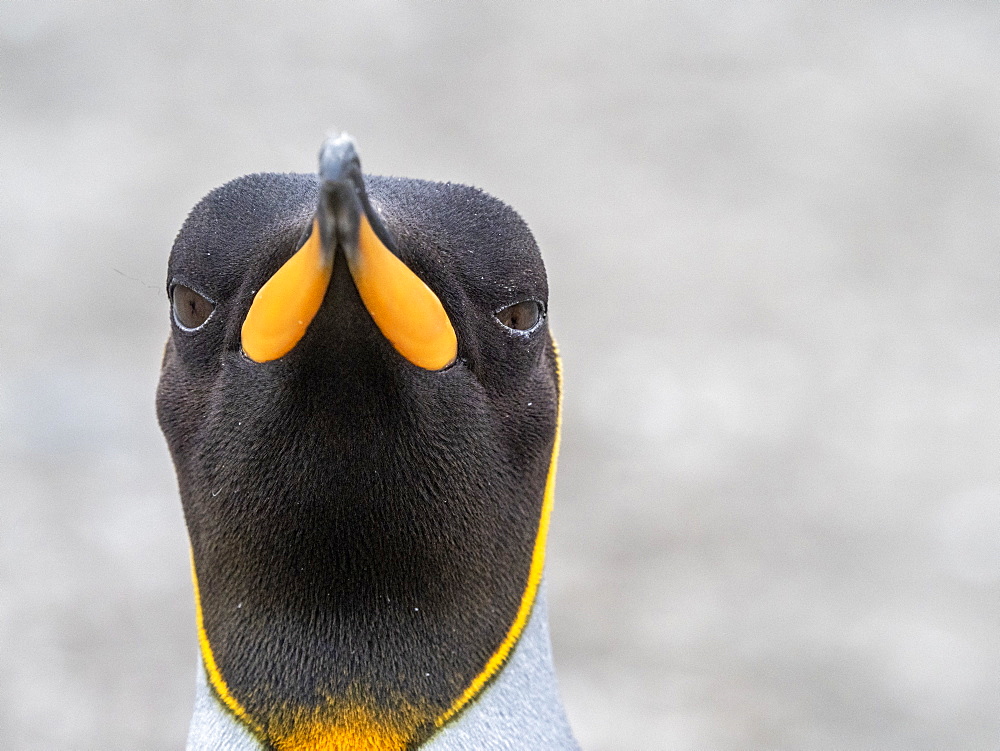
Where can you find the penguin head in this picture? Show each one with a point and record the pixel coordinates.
(360, 395)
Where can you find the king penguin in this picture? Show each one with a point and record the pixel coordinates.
(361, 398)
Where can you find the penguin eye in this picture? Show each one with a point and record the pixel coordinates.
(521, 316)
(191, 310)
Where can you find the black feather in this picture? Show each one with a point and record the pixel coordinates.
(357, 523)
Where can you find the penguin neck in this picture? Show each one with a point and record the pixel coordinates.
(521, 705)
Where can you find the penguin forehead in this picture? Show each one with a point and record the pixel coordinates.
(449, 233)
(239, 227)
(464, 233)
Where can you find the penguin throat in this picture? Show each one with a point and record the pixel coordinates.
(361, 643)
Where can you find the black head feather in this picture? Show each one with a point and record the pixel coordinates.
(362, 529)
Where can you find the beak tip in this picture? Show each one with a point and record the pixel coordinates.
(338, 158)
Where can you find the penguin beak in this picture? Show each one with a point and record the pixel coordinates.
(404, 308)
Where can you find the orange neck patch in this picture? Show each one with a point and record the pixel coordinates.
(350, 723)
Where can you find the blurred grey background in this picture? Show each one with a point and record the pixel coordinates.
(771, 230)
